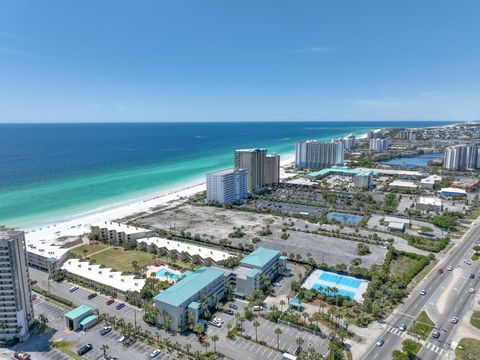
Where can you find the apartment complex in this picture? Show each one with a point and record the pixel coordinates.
(16, 310)
(272, 169)
(461, 157)
(227, 186)
(408, 134)
(379, 144)
(349, 142)
(363, 180)
(182, 302)
(252, 160)
(119, 234)
(311, 154)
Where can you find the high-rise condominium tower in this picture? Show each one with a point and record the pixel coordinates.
(311, 154)
(272, 169)
(16, 310)
(252, 160)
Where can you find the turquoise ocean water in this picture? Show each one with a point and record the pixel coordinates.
(49, 172)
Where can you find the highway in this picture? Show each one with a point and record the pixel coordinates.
(455, 302)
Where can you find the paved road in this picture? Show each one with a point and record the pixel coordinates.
(434, 284)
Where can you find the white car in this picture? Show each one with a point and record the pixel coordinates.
(471, 291)
(468, 262)
(423, 292)
(380, 342)
(122, 339)
(73, 288)
(154, 353)
(450, 268)
(454, 320)
(257, 308)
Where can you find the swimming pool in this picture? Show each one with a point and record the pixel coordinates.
(167, 274)
(324, 289)
(345, 218)
(340, 280)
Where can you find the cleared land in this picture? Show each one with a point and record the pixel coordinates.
(215, 224)
(475, 319)
(468, 349)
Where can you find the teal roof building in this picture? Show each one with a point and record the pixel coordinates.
(260, 258)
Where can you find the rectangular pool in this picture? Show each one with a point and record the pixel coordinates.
(340, 279)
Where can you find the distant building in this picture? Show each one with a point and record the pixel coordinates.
(311, 154)
(379, 144)
(16, 310)
(408, 134)
(461, 157)
(430, 182)
(80, 318)
(429, 203)
(227, 186)
(349, 142)
(363, 180)
(252, 160)
(396, 224)
(272, 169)
(401, 185)
(118, 234)
(452, 192)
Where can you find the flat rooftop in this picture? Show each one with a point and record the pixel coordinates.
(453, 190)
(404, 184)
(189, 286)
(119, 227)
(260, 257)
(328, 171)
(103, 275)
(79, 311)
(203, 252)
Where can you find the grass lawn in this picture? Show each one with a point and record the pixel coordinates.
(120, 259)
(411, 347)
(68, 348)
(475, 213)
(78, 252)
(400, 266)
(475, 319)
(423, 326)
(468, 349)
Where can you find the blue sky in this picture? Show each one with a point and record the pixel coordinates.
(192, 60)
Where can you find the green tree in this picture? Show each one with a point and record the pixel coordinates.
(278, 332)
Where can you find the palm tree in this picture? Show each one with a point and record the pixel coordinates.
(299, 341)
(278, 332)
(104, 349)
(256, 324)
(188, 347)
(215, 339)
(282, 304)
(43, 320)
(206, 344)
(135, 265)
(237, 317)
(242, 319)
(85, 251)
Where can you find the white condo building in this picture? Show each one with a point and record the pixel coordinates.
(311, 154)
(462, 156)
(227, 186)
(379, 144)
(16, 310)
(349, 142)
(363, 180)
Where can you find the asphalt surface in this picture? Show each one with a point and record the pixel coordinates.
(458, 302)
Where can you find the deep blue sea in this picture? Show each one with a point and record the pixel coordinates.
(50, 171)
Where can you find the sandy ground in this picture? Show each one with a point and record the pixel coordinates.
(443, 299)
(80, 224)
(464, 328)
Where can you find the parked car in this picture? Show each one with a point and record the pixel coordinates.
(105, 330)
(73, 288)
(92, 296)
(123, 338)
(436, 334)
(450, 268)
(380, 342)
(233, 306)
(110, 301)
(84, 349)
(119, 306)
(21, 355)
(154, 353)
(402, 327)
(257, 308)
(454, 320)
(228, 311)
(33, 282)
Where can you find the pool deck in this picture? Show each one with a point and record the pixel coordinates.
(155, 269)
(314, 278)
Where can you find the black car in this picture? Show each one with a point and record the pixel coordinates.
(233, 306)
(84, 349)
(228, 311)
(91, 296)
(119, 306)
(472, 276)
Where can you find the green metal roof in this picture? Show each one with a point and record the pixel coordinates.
(260, 257)
(253, 272)
(88, 319)
(189, 286)
(328, 171)
(78, 312)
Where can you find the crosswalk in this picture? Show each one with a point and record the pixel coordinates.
(434, 348)
(396, 331)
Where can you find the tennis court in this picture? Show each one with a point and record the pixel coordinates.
(348, 219)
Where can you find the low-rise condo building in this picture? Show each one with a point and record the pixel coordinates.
(430, 182)
(119, 234)
(429, 203)
(405, 186)
(363, 180)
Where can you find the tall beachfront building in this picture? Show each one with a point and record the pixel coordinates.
(349, 142)
(311, 154)
(227, 186)
(252, 160)
(272, 169)
(462, 156)
(16, 310)
(379, 144)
